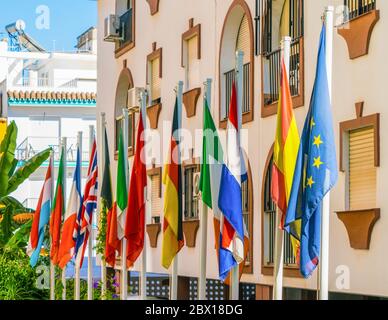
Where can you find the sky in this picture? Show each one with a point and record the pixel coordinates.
(54, 24)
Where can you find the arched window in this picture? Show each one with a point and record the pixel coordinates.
(269, 226)
(237, 34)
(125, 83)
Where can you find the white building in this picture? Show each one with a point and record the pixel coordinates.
(49, 95)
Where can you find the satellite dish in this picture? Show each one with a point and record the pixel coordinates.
(20, 25)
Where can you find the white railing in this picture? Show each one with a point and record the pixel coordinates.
(58, 84)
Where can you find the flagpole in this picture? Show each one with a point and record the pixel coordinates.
(204, 218)
(143, 275)
(77, 267)
(52, 267)
(124, 271)
(325, 223)
(102, 157)
(277, 293)
(90, 239)
(64, 149)
(174, 275)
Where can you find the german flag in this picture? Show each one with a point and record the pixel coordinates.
(172, 179)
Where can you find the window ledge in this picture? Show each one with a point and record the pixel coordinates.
(190, 229)
(153, 231)
(124, 49)
(246, 118)
(131, 153)
(190, 99)
(359, 225)
(357, 33)
(154, 6)
(153, 113)
(289, 272)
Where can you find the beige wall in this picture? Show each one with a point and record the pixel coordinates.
(360, 80)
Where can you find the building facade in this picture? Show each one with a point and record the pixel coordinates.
(165, 41)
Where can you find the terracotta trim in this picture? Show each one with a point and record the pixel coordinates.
(361, 121)
(156, 172)
(119, 51)
(291, 272)
(359, 225)
(190, 230)
(154, 6)
(297, 101)
(153, 231)
(357, 33)
(190, 33)
(249, 116)
(190, 100)
(153, 113)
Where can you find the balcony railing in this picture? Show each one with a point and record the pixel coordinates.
(126, 28)
(229, 78)
(272, 72)
(355, 8)
(59, 84)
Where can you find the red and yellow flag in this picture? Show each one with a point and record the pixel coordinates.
(285, 150)
(172, 179)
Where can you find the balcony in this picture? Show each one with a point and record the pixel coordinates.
(127, 27)
(356, 8)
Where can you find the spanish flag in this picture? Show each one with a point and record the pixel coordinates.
(285, 152)
(172, 179)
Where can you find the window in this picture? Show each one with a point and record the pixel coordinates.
(237, 35)
(130, 133)
(154, 74)
(191, 192)
(191, 54)
(356, 8)
(362, 170)
(125, 9)
(269, 226)
(282, 18)
(156, 193)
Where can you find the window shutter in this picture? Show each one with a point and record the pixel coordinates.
(156, 202)
(155, 79)
(192, 61)
(243, 42)
(362, 170)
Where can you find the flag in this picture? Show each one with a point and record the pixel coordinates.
(57, 211)
(68, 238)
(172, 179)
(285, 153)
(107, 206)
(210, 178)
(121, 189)
(316, 167)
(41, 218)
(84, 225)
(134, 226)
(231, 252)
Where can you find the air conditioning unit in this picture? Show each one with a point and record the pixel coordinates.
(112, 28)
(134, 96)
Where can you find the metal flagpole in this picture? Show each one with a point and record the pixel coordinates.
(325, 223)
(235, 272)
(124, 270)
(102, 157)
(64, 149)
(90, 239)
(52, 267)
(174, 275)
(204, 218)
(77, 267)
(143, 280)
(279, 234)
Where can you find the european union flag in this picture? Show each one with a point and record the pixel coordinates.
(316, 168)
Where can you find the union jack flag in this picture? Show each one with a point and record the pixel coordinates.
(85, 218)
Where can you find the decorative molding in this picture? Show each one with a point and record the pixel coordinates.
(192, 32)
(360, 122)
(153, 113)
(359, 225)
(357, 33)
(190, 99)
(153, 231)
(154, 6)
(297, 101)
(248, 116)
(190, 229)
